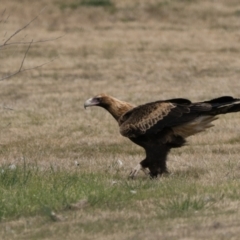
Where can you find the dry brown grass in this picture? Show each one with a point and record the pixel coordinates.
(137, 51)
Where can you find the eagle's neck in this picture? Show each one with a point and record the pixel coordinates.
(117, 108)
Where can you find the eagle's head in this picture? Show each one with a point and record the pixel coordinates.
(116, 107)
(100, 100)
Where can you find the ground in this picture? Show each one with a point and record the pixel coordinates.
(53, 153)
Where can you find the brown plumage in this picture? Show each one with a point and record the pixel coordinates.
(162, 125)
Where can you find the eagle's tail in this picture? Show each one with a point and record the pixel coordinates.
(224, 105)
(208, 112)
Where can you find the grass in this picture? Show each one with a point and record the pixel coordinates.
(96, 3)
(60, 171)
(88, 3)
(27, 190)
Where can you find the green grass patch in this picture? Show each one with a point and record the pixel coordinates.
(182, 206)
(28, 190)
(97, 3)
(87, 3)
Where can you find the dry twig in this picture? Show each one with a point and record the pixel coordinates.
(8, 43)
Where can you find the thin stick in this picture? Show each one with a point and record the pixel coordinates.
(7, 43)
(21, 69)
(22, 28)
(32, 42)
(26, 69)
(25, 56)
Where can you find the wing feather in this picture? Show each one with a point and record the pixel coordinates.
(182, 116)
(150, 118)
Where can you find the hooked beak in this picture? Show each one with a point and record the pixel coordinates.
(91, 102)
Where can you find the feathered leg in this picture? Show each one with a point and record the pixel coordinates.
(156, 170)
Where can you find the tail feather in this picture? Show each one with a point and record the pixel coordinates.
(224, 105)
(199, 124)
(220, 100)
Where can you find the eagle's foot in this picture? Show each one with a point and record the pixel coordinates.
(135, 171)
(154, 173)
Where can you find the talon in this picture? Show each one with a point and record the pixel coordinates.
(135, 171)
(146, 171)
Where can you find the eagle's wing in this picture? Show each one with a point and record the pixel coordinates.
(151, 118)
